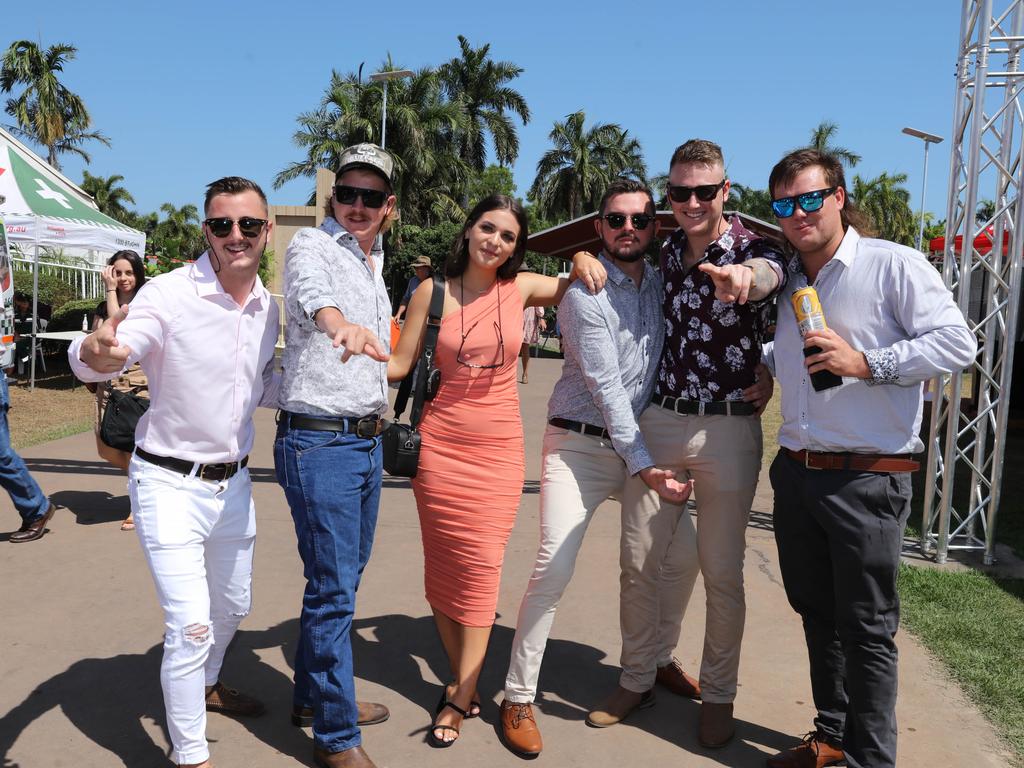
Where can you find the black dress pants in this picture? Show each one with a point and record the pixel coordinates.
(839, 534)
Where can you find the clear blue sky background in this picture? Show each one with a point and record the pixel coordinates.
(191, 91)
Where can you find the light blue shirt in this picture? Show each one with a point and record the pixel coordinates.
(889, 302)
(612, 343)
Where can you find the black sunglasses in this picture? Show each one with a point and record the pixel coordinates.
(809, 202)
(618, 220)
(247, 225)
(704, 192)
(372, 198)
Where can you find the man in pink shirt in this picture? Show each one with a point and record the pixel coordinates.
(205, 336)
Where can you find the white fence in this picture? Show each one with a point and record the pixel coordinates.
(85, 279)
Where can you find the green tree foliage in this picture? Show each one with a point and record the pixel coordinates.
(753, 202)
(887, 202)
(821, 140)
(494, 179)
(109, 195)
(572, 176)
(45, 111)
(415, 241)
(480, 85)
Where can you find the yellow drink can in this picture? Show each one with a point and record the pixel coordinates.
(809, 314)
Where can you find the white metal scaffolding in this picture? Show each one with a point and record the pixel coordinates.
(982, 266)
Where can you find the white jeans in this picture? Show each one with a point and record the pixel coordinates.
(578, 473)
(198, 539)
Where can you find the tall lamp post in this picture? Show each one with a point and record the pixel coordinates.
(927, 138)
(378, 77)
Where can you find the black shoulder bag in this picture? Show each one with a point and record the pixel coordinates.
(120, 417)
(401, 442)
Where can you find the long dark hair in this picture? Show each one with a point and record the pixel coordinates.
(138, 268)
(458, 258)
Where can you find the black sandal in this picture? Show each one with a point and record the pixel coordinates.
(432, 738)
(444, 698)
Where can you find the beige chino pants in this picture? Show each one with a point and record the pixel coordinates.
(661, 551)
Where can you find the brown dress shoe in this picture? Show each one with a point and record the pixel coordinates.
(369, 714)
(618, 706)
(228, 701)
(349, 758)
(813, 752)
(715, 727)
(519, 730)
(34, 529)
(673, 677)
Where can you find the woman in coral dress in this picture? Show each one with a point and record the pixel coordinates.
(471, 468)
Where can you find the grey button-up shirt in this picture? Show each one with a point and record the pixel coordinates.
(612, 343)
(325, 267)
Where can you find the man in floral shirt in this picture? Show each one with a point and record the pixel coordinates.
(718, 278)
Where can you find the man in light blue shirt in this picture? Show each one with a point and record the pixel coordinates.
(612, 343)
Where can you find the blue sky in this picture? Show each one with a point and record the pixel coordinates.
(189, 91)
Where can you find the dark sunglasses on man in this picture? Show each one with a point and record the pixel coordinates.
(372, 198)
(618, 220)
(247, 225)
(704, 192)
(809, 202)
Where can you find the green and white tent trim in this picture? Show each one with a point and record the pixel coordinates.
(42, 208)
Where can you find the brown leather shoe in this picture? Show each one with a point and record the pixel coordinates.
(715, 726)
(228, 701)
(618, 706)
(349, 758)
(369, 714)
(33, 530)
(519, 730)
(673, 677)
(813, 752)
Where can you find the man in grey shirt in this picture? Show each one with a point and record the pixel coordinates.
(327, 453)
(592, 445)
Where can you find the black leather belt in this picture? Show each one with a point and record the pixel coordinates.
(579, 426)
(860, 462)
(365, 426)
(701, 408)
(214, 472)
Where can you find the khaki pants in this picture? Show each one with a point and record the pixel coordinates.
(661, 552)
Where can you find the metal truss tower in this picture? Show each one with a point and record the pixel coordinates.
(982, 266)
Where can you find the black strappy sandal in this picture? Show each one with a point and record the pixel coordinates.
(432, 738)
(444, 698)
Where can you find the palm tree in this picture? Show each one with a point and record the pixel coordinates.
(821, 140)
(573, 175)
(429, 175)
(46, 112)
(888, 204)
(754, 202)
(109, 196)
(479, 83)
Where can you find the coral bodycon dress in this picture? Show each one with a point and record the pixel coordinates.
(471, 469)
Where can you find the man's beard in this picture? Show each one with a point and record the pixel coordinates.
(624, 254)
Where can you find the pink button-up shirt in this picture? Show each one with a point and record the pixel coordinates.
(209, 362)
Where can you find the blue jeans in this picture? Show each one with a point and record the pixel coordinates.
(332, 483)
(25, 493)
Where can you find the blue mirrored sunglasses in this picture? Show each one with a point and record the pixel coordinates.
(809, 202)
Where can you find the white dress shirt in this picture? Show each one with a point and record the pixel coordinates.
(887, 301)
(209, 362)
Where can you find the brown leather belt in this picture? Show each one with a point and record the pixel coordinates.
(212, 472)
(860, 462)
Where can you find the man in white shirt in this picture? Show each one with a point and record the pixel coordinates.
(205, 336)
(842, 475)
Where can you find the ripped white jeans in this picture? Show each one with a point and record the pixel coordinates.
(198, 539)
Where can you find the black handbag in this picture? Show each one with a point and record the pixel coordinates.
(401, 442)
(120, 418)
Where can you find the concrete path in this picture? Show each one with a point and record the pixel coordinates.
(80, 643)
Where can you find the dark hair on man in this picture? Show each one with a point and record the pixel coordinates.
(700, 151)
(800, 160)
(625, 187)
(138, 268)
(458, 258)
(232, 185)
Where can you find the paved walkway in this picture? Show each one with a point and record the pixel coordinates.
(80, 640)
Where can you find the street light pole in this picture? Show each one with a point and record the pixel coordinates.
(377, 77)
(927, 138)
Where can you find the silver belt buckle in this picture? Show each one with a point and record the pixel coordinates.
(807, 459)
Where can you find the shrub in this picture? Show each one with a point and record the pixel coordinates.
(68, 317)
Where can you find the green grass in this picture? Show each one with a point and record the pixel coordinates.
(54, 432)
(975, 625)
